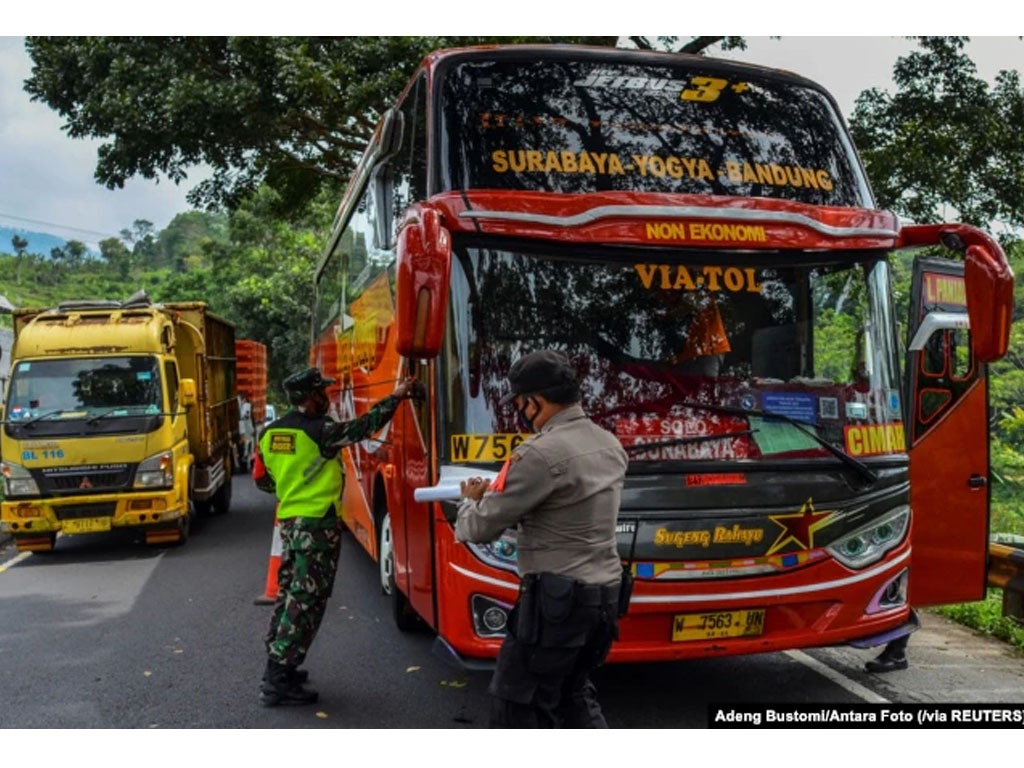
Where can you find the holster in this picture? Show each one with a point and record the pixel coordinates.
(625, 591)
(546, 603)
(527, 627)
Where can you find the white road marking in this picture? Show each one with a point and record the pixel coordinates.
(14, 561)
(838, 678)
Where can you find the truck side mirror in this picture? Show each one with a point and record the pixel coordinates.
(421, 290)
(187, 392)
(989, 286)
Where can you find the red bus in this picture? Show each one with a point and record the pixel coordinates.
(700, 239)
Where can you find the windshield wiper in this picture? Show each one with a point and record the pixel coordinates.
(30, 422)
(687, 440)
(93, 419)
(865, 471)
(114, 412)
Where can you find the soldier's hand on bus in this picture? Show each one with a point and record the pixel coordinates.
(474, 488)
(410, 388)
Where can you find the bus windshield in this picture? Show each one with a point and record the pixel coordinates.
(557, 124)
(653, 340)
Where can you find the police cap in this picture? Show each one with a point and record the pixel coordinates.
(538, 371)
(301, 385)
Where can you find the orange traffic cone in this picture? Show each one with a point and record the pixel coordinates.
(269, 596)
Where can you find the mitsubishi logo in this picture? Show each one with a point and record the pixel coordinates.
(85, 483)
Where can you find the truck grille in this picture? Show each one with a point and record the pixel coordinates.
(97, 479)
(75, 511)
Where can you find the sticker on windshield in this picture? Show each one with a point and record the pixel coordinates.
(856, 410)
(24, 367)
(894, 403)
(144, 375)
(874, 439)
(676, 277)
(676, 438)
(828, 407)
(795, 405)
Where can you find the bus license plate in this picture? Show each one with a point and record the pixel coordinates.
(86, 525)
(701, 626)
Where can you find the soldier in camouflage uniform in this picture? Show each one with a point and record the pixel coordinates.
(298, 460)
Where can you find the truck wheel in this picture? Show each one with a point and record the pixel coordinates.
(222, 498)
(405, 617)
(203, 508)
(184, 528)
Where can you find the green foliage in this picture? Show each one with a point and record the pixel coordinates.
(986, 616)
(945, 139)
(294, 112)
(259, 275)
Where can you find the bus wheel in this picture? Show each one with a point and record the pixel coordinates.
(405, 618)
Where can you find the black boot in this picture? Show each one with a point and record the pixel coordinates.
(299, 675)
(893, 658)
(281, 685)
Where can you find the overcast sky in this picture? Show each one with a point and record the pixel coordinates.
(48, 177)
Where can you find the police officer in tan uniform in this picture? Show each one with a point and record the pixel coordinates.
(561, 491)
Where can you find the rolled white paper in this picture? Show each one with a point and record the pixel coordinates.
(437, 493)
(448, 486)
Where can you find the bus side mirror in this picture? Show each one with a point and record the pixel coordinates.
(989, 286)
(187, 392)
(421, 290)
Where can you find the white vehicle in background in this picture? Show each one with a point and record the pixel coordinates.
(245, 448)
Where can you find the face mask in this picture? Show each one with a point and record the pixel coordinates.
(527, 421)
(320, 404)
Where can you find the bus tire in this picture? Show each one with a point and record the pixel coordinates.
(405, 617)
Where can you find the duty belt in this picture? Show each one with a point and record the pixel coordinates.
(596, 595)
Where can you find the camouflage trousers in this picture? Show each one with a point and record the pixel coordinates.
(309, 560)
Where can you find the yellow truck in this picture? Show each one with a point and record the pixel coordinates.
(117, 414)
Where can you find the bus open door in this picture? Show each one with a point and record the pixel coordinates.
(960, 318)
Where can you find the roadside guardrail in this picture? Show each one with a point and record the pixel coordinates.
(1006, 571)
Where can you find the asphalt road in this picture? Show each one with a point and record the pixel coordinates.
(106, 633)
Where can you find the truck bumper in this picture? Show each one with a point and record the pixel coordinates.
(30, 519)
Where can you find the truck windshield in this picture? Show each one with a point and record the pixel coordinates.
(71, 389)
(814, 342)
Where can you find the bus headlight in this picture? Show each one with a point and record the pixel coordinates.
(156, 471)
(17, 480)
(501, 553)
(869, 543)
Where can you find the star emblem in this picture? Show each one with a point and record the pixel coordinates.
(799, 527)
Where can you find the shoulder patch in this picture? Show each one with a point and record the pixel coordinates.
(282, 443)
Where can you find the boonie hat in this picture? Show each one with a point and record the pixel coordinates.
(301, 385)
(536, 372)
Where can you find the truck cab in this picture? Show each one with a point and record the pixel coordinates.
(115, 416)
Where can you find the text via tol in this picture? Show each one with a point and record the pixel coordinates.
(676, 277)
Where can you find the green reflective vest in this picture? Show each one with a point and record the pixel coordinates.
(307, 484)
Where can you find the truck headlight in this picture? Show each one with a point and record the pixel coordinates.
(156, 472)
(870, 542)
(17, 480)
(500, 553)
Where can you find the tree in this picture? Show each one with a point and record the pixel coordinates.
(20, 244)
(295, 113)
(945, 139)
(118, 256)
(184, 243)
(74, 253)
